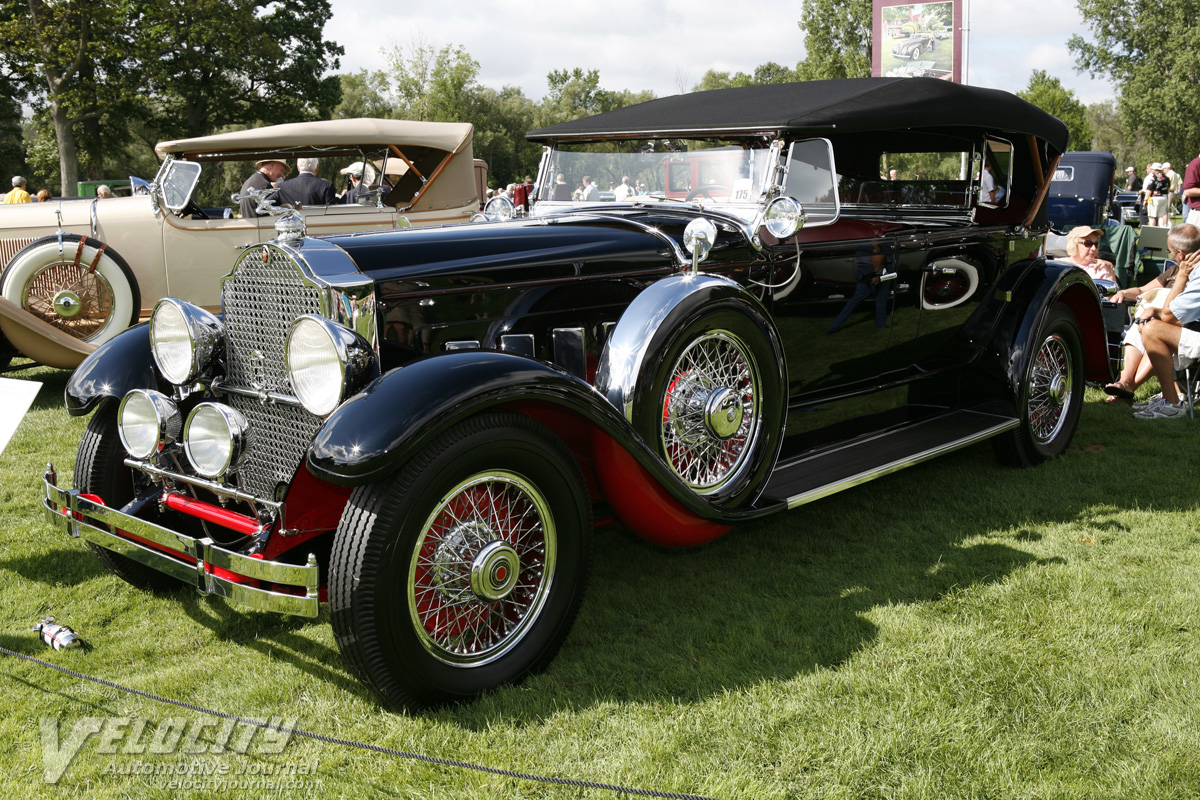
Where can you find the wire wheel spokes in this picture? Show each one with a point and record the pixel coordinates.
(1049, 389)
(711, 410)
(482, 568)
(70, 297)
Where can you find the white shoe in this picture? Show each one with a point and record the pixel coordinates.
(1161, 409)
(1142, 405)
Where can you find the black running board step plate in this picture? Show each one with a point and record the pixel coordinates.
(811, 478)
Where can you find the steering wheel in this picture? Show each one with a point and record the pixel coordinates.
(706, 190)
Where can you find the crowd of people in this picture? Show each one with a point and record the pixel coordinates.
(20, 194)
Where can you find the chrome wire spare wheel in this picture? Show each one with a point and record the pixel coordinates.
(1050, 394)
(70, 297)
(711, 410)
(482, 568)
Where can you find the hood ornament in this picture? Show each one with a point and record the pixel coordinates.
(289, 223)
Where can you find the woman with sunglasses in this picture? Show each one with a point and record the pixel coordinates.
(1083, 250)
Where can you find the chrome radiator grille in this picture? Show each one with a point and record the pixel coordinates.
(260, 301)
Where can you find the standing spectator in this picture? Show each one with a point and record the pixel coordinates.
(622, 192)
(269, 171)
(523, 194)
(1131, 181)
(562, 191)
(1174, 181)
(1191, 191)
(18, 193)
(1155, 187)
(591, 192)
(306, 189)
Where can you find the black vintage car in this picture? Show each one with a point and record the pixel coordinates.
(422, 427)
(1082, 191)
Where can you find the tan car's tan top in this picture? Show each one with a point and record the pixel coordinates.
(449, 136)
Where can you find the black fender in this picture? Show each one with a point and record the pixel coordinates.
(122, 363)
(643, 336)
(1033, 293)
(375, 432)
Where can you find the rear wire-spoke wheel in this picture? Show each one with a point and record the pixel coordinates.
(1051, 394)
(710, 410)
(78, 286)
(465, 570)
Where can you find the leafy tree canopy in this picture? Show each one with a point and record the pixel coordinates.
(1147, 47)
(837, 39)
(1048, 94)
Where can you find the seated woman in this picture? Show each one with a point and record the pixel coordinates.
(1136, 367)
(1083, 250)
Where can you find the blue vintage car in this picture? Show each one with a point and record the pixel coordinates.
(422, 427)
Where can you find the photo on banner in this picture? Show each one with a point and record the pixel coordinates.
(914, 40)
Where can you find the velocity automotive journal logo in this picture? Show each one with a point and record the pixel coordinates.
(136, 736)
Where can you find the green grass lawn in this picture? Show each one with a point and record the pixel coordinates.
(957, 630)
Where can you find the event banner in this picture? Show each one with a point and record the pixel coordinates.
(917, 39)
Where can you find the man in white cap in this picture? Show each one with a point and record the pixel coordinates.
(18, 193)
(1131, 181)
(355, 172)
(270, 170)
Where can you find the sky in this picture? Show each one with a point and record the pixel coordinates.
(667, 45)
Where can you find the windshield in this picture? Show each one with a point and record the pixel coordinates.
(714, 172)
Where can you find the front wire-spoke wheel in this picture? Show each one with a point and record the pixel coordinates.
(465, 570)
(482, 568)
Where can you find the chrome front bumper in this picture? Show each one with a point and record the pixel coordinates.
(190, 560)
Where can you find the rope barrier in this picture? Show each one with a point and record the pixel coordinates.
(448, 762)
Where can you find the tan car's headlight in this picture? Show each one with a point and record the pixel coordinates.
(325, 363)
(184, 339)
(147, 420)
(214, 439)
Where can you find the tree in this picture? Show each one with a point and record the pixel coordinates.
(72, 56)
(1048, 94)
(1147, 48)
(433, 84)
(365, 94)
(575, 93)
(215, 63)
(837, 39)
(769, 72)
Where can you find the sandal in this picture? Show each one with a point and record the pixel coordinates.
(1117, 390)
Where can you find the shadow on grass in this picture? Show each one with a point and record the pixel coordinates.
(794, 593)
(64, 566)
(273, 635)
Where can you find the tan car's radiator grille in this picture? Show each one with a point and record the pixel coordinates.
(259, 302)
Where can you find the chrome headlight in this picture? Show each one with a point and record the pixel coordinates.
(184, 339)
(147, 420)
(325, 362)
(214, 439)
(784, 216)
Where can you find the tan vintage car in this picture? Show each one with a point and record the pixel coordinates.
(78, 272)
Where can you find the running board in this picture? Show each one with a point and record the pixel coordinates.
(813, 477)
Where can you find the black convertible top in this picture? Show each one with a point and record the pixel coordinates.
(816, 107)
